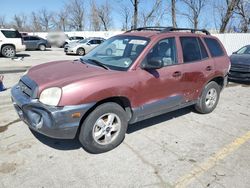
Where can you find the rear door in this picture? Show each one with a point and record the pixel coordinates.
(197, 66)
(34, 42)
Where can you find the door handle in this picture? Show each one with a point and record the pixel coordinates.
(177, 74)
(208, 68)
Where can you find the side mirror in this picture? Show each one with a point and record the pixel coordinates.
(88, 43)
(153, 63)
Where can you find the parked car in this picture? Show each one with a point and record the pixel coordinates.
(82, 47)
(240, 65)
(73, 39)
(152, 72)
(57, 38)
(10, 42)
(35, 42)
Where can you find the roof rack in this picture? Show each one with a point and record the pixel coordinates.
(168, 29)
(153, 28)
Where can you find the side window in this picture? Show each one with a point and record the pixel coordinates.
(11, 34)
(34, 38)
(190, 49)
(91, 42)
(214, 47)
(164, 50)
(203, 50)
(26, 38)
(98, 41)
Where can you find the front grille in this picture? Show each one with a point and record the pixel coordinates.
(25, 89)
(28, 87)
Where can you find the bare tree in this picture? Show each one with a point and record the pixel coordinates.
(135, 4)
(173, 12)
(94, 17)
(148, 17)
(194, 9)
(20, 22)
(46, 19)
(104, 13)
(226, 12)
(61, 20)
(76, 16)
(35, 23)
(125, 12)
(243, 10)
(2, 21)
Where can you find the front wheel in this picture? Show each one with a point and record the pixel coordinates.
(80, 51)
(209, 98)
(8, 51)
(104, 128)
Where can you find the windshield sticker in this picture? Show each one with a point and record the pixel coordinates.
(138, 42)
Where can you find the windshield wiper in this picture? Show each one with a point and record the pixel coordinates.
(99, 64)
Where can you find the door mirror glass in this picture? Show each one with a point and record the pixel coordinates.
(153, 63)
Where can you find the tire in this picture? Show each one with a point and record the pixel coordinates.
(8, 51)
(80, 51)
(42, 47)
(99, 137)
(209, 98)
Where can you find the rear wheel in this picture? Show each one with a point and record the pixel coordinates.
(8, 51)
(104, 128)
(209, 98)
(80, 51)
(42, 47)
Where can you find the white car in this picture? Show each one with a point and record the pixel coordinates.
(10, 42)
(82, 47)
(73, 39)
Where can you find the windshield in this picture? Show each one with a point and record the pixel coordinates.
(119, 52)
(83, 41)
(244, 50)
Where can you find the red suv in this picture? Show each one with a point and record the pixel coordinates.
(147, 72)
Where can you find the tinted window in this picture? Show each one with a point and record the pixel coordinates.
(190, 49)
(34, 38)
(203, 50)
(26, 38)
(91, 42)
(214, 47)
(164, 50)
(79, 38)
(11, 34)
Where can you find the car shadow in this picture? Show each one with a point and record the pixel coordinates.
(74, 144)
(22, 55)
(158, 119)
(59, 144)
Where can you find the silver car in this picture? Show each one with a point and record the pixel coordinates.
(82, 47)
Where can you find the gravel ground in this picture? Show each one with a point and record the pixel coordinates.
(178, 149)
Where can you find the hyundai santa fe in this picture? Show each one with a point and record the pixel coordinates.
(150, 71)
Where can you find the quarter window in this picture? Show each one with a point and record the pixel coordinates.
(214, 47)
(11, 34)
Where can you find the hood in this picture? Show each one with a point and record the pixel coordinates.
(62, 73)
(242, 59)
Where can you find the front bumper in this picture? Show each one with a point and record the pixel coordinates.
(68, 50)
(239, 76)
(55, 122)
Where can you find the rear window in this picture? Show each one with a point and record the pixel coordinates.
(214, 47)
(11, 34)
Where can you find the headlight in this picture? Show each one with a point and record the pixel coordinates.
(51, 96)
